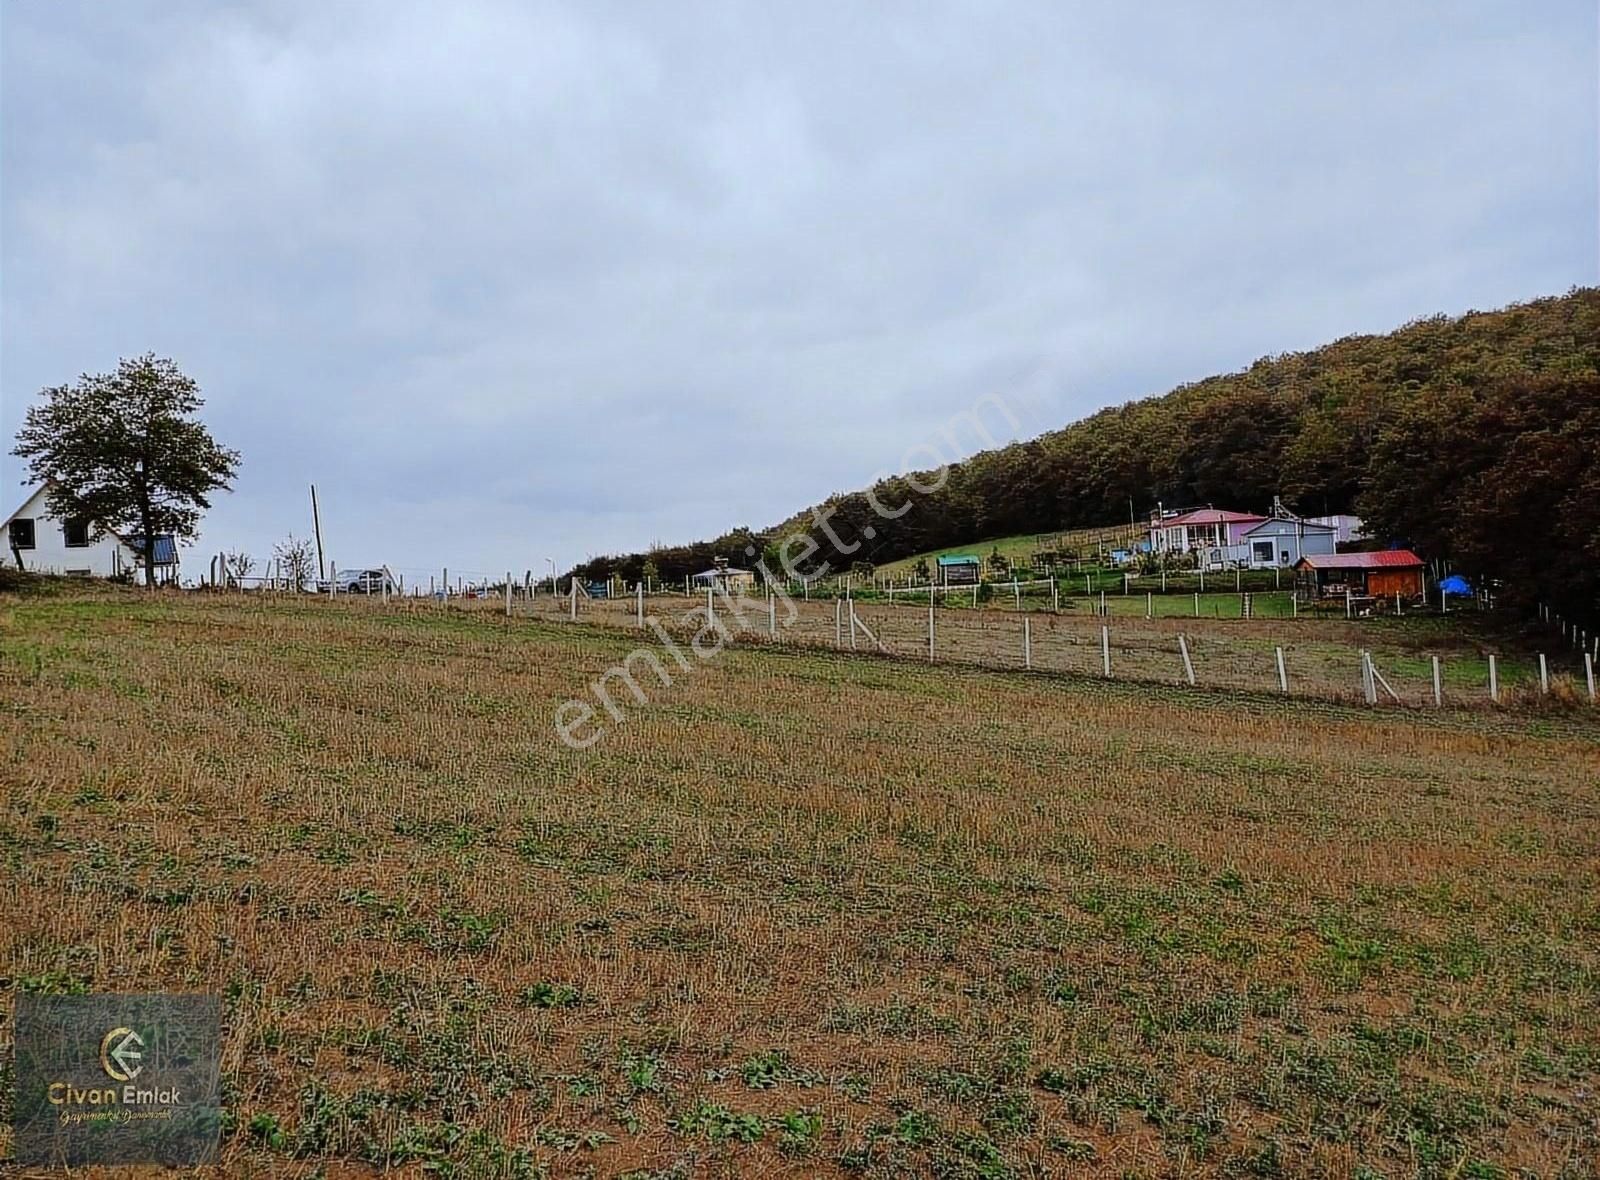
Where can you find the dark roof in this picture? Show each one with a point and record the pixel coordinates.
(166, 548)
(1309, 525)
(1381, 559)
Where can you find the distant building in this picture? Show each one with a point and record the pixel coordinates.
(1382, 574)
(1282, 541)
(724, 576)
(959, 569)
(1346, 528)
(1199, 528)
(36, 541)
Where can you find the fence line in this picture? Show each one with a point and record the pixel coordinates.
(1136, 648)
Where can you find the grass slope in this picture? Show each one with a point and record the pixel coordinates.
(801, 914)
(1087, 542)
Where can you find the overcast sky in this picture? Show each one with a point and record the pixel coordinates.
(510, 281)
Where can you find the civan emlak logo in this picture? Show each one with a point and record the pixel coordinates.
(119, 1050)
(117, 1079)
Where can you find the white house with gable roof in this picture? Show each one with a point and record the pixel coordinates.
(38, 542)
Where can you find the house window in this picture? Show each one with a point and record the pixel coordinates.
(1263, 550)
(21, 533)
(76, 533)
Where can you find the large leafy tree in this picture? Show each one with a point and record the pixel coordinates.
(125, 452)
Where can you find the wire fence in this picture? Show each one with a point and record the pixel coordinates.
(1129, 637)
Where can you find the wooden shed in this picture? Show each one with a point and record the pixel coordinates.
(1381, 574)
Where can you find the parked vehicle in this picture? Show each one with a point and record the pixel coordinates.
(371, 581)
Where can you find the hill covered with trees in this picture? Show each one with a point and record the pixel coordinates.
(1473, 439)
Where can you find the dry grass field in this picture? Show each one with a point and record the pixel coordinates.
(802, 914)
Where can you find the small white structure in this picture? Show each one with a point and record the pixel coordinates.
(1346, 528)
(36, 541)
(1282, 541)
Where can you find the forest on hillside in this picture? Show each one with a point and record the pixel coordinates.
(1472, 439)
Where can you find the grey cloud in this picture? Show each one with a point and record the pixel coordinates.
(512, 280)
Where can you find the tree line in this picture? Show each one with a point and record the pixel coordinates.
(1472, 439)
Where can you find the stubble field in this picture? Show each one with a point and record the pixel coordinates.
(801, 913)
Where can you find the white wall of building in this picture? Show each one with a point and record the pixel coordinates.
(51, 554)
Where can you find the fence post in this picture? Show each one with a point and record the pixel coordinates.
(1438, 685)
(639, 594)
(1238, 579)
(1102, 603)
(333, 580)
(1347, 602)
(851, 604)
(930, 628)
(1188, 664)
(1588, 673)
(1027, 643)
(711, 606)
(838, 622)
(573, 587)
(1105, 649)
(1369, 682)
(1494, 681)
(1055, 595)
(1016, 591)
(444, 581)
(1283, 673)
(1197, 604)
(508, 594)
(1149, 605)
(772, 614)
(1544, 676)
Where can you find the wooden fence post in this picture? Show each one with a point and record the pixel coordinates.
(573, 587)
(1544, 676)
(1438, 685)
(838, 622)
(772, 614)
(1197, 604)
(1149, 605)
(508, 594)
(639, 594)
(1494, 681)
(1105, 649)
(1055, 595)
(1588, 673)
(930, 628)
(1188, 664)
(1027, 643)
(1283, 673)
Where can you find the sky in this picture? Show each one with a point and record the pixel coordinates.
(514, 283)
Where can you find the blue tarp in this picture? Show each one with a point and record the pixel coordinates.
(1457, 585)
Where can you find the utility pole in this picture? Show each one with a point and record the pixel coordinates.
(316, 527)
